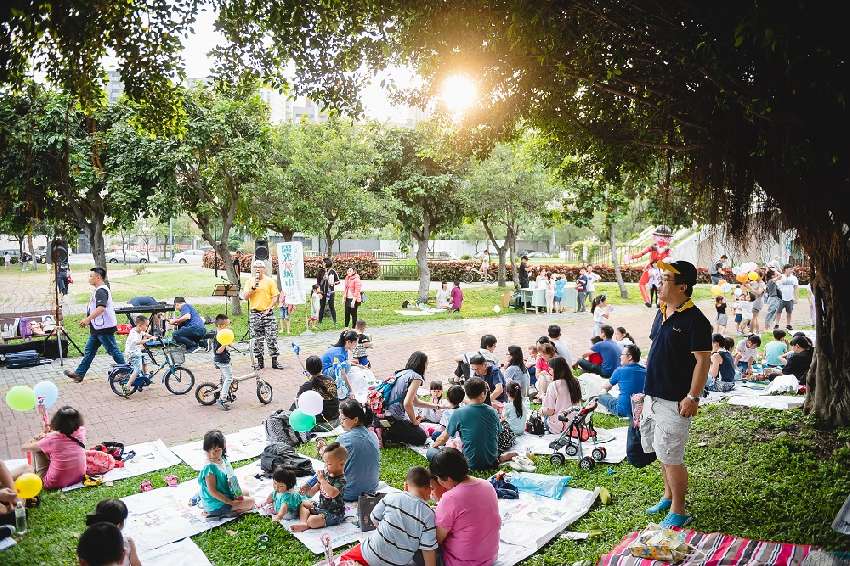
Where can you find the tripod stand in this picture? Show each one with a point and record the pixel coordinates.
(59, 329)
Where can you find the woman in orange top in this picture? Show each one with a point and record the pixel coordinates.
(352, 296)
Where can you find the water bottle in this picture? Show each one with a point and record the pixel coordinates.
(20, 518)
(313, 481)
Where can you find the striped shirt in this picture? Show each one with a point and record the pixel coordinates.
(405, 524)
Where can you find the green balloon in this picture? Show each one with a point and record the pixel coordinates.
(21, 398)
(301, 421)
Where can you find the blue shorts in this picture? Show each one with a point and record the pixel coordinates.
(331, 519)
(135, 362)
(363, 361)
(738, 318)
(284, 313)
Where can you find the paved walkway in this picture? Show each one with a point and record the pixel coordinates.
(156, 413)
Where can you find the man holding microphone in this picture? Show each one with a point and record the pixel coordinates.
(262, 297)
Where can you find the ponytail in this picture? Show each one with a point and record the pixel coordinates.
(515, 392)
(596, 301)
(354, 410)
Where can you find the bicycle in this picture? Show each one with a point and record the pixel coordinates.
(177, 379)
(474, 275)
(208, 392)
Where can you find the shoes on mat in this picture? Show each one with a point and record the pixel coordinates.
(146, 486)
(662, 505)
(522, 464)
(675, 520)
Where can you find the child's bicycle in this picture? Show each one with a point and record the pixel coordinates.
(177, 379)
(579, 429)
(207, 393)
(474, 275)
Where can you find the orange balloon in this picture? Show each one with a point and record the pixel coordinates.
(742, 278)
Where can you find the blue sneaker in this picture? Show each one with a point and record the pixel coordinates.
(675, 520)
(194, 500)
(662, 505)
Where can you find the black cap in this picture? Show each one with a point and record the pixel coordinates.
(685, 270)
(100, 271)
(179, 299)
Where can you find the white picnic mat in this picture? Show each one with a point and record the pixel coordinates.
(241, 445)
(150, 457)
(742, 389)
(181, 553)
(419, 312)
(335, 432)
(613, 439)
(531, 521)
(780, 402)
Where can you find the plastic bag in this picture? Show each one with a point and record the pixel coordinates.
(540, 484)
(658, 543)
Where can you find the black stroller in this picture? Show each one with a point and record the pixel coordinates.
(579, 429)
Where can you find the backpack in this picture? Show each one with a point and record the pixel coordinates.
(506, 438)
(378, 398)
(98, 462)
(25, 359)
(535, 424)
(282, 454)
(278, 429)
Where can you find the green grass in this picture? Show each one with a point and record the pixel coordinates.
(378, 310)
(761, 474)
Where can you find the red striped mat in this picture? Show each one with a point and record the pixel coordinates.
(717, 549)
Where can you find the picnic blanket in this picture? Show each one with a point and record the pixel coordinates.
(779, 402)
(150, 457)
(613, 439)
(241, 445)
(181, 553)
(419, 312)
(717, 548)
(531, 521)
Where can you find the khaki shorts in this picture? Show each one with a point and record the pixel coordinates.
(663, 430)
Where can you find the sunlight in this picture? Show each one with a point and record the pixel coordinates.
(458, 93)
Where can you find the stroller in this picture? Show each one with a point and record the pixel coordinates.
(579, 429)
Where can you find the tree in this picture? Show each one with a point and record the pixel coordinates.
(222, 154)
(505, 192)
(422, 175)
(333, 166)
(68, 42)
(100, 170)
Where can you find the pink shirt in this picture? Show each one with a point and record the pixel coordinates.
(457, 297)
(558, 398)
(470, 512)
(67, 458)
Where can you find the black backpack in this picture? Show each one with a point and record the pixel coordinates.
(25, 359)
(282, 454)
(278, 429)
(535, 424)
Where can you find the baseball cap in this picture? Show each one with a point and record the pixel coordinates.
(258, 263)
(684, 269)
(179, 299)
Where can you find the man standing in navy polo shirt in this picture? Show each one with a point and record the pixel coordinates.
(676, 372)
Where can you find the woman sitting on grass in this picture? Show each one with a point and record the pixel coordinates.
(363, 465)
(563, 393)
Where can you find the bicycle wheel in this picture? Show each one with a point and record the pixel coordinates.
(179, 380)
(470, 277)
(264, 392)
(206, 393)
(119, 381)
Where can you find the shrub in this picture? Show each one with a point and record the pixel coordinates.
(366, 266)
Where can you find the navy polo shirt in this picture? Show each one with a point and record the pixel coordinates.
(670, 364)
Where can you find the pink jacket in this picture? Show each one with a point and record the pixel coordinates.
(352, 287)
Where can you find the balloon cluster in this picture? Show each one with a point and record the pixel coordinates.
(310, 404)
(23, 398)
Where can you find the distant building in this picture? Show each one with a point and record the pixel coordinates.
(114, 86)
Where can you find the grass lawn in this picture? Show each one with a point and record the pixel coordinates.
(378, 310)
(755, 473)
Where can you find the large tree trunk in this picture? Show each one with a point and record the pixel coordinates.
(615, 261)
(828, 380)
(32, 252)
(232, 275)
(422, 260)
(329, 242)
(500, 250)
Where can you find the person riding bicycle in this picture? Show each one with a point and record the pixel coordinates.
(221, 360)
(133, 348)
(189, 325)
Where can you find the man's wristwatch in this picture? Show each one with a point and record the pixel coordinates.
(692, 398)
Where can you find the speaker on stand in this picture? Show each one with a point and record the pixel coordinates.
(59, 257)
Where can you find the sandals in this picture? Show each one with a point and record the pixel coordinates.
(171, 480)
(145, 486)
(92, 481)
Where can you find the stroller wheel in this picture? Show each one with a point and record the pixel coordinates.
(598, 453)
(571, 449)
(557, 459)
(586, 463)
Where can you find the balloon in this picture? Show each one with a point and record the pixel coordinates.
(20, 398)
(28, 486)
(46, 393)
(738, 292)
(716, 291)
(310, 403)
(741, 278)
(754, 276)
(497, 309)
(225, 337)
(301, 421)
(726, 287)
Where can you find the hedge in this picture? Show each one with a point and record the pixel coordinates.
(366, 266)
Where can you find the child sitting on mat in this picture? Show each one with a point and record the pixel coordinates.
(406, 527)
(330, 509)
(59, 456)
(286, 500)
(221, 495)
(102, 544)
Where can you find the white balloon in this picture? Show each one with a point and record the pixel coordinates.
(310, 402)
(497, 309)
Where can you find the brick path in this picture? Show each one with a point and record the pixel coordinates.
(156, 413)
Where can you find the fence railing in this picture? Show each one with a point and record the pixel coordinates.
(400, 272)
(601, 255)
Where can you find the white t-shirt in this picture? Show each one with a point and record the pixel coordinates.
(746, 310)
(745, 353)
(443, 298)
(786, 287)
(562, 350)
(655, 276)
(592, 278)
(599, 315)
(315, 303)
(133, 345)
